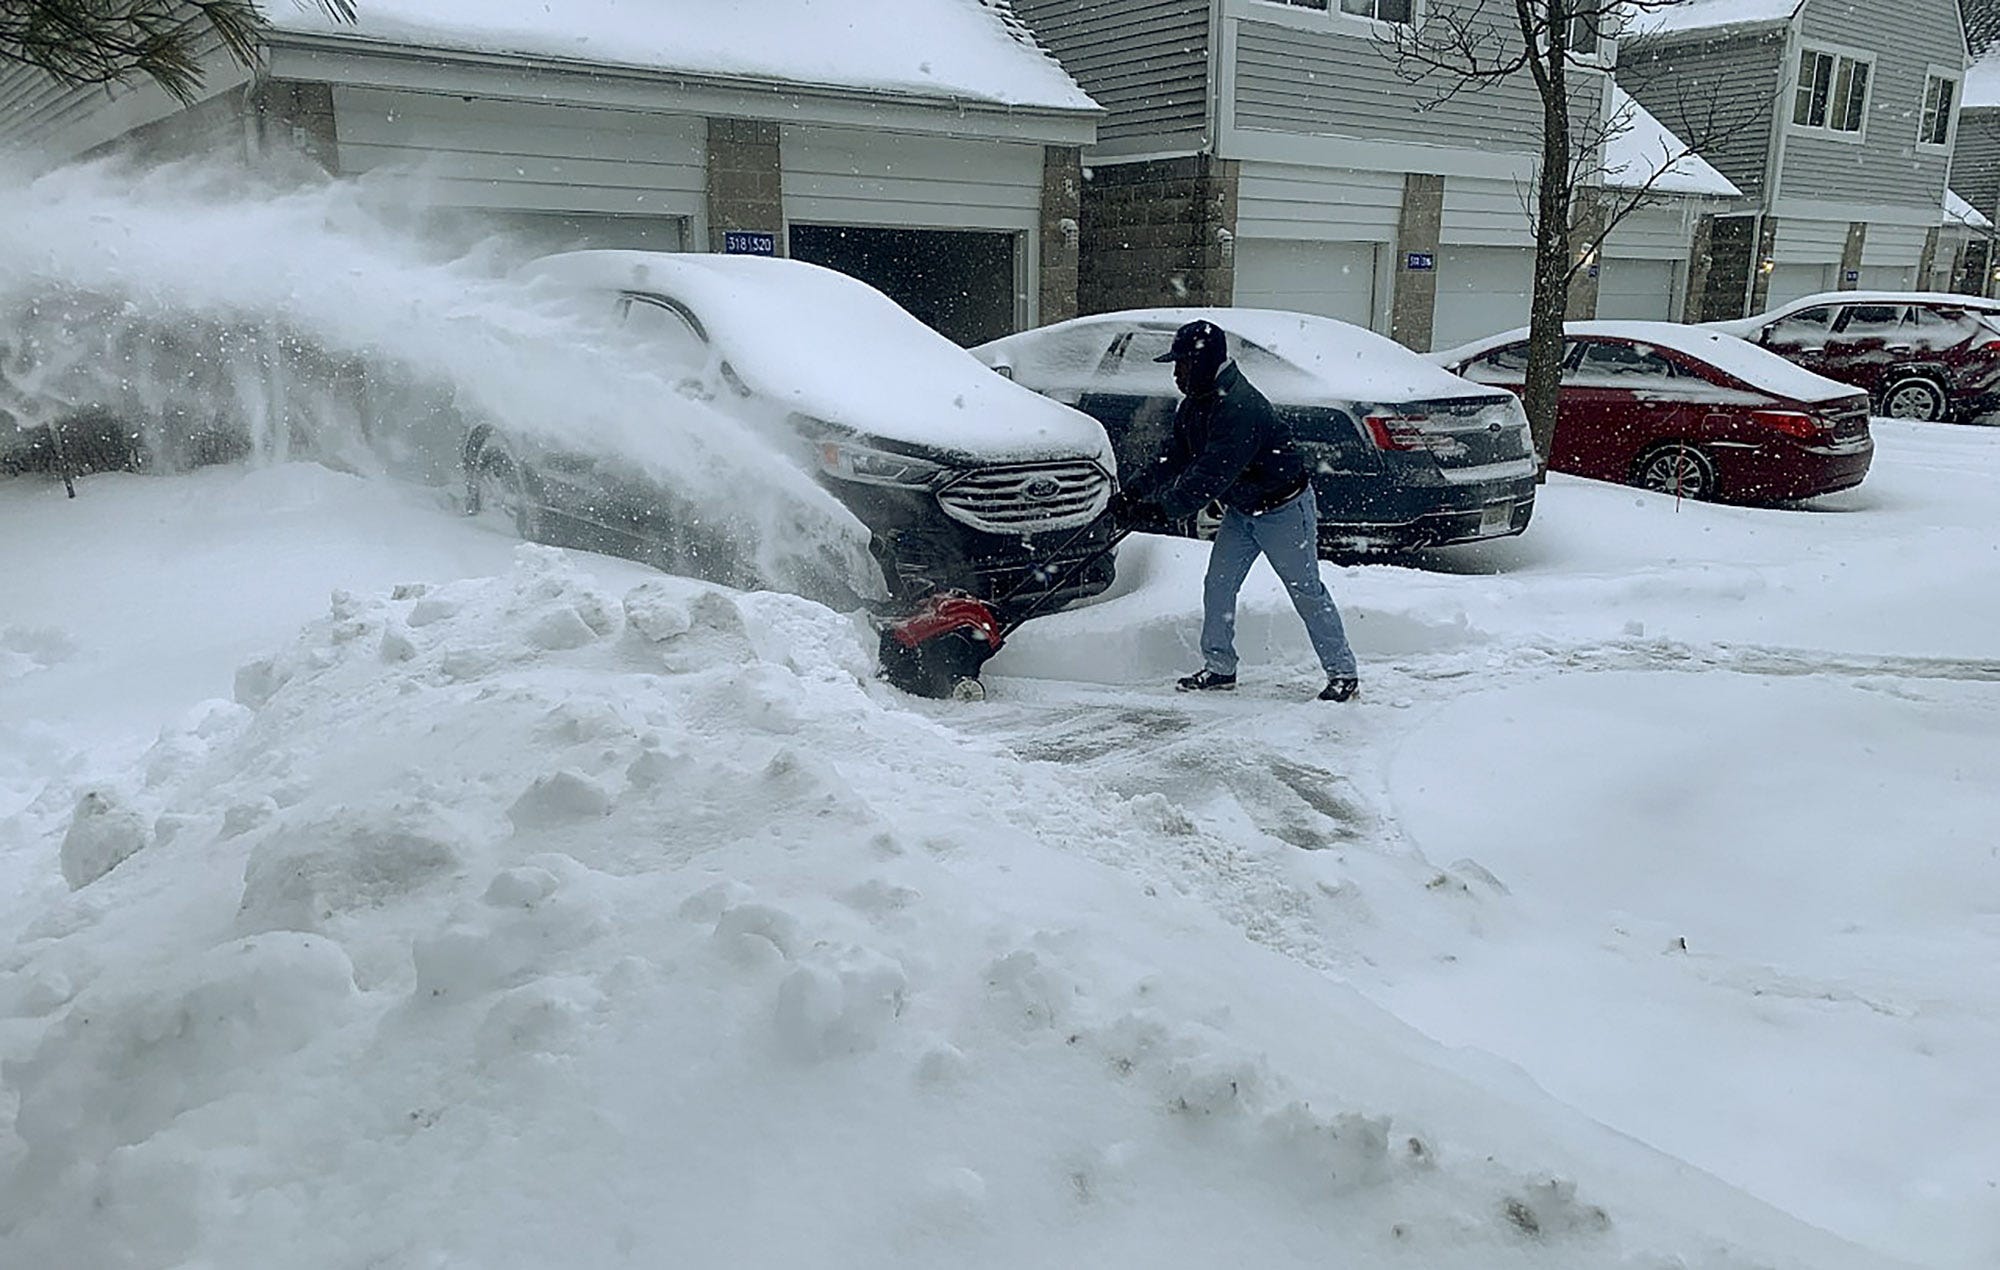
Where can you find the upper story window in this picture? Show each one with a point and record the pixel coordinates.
(1832, 92)
(1399, 12)
(1586, 27)
(1934, 129)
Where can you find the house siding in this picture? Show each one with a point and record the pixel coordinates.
(1975, 163)
(1886, 168)
(60, 122)
(1335, 83)
(1145, 61)
(1720, 88)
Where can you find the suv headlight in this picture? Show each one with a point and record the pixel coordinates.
(852, 462)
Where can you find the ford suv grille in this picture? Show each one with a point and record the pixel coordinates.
(1029, 497)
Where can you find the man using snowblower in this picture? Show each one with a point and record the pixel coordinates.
(1229, 445)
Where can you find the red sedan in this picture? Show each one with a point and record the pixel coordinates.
(1688, 411)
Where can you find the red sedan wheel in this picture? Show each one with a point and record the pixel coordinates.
(1678, 469)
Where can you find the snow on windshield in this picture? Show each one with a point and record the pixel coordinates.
(225, 318)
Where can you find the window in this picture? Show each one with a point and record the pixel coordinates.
(681, 347)
(1808, 328)
(1501, 366)
(1398, 11)
(1606, 361)
(1832, 92)
(1586, 27)
(1939, 93)
(1874, 319)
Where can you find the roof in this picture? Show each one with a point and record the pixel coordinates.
(1959, 212)
(1711, 15)
(1716, 347)
(1946, 298)
(1982, 82)
(1643, 151)
(970, 50)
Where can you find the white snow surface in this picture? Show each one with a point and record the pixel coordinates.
(1959, 212)
(1706, 15)
(1643, 153)
(821, 343)
(1725, 351)
(972, 49)
(1347, 363)
(1982, 82)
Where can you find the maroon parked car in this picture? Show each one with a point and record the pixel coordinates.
(1919, 354)
(1688, 411)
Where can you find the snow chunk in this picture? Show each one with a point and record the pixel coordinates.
(558, 798)
(102, 832)
(305, 878)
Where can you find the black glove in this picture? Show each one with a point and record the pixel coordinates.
(1128, 508)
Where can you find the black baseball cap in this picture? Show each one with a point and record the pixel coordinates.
(1199, 339)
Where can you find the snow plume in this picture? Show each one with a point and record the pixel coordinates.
(220, 314)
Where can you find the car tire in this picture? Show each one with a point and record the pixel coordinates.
(499, 485)
(1676, 468)
(1917, 397)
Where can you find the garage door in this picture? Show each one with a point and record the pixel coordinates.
(1789, 282)
(1885, 278)
(958, 282)
(1636, 290)
(1335, 280)
(542, 232)
(1481, 291)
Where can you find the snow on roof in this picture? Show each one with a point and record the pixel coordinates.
(836, 349)
(972, 49)
(1720, 349)
(1959, 212)
(1645, 150)
(1706, 15)
(1982, 82)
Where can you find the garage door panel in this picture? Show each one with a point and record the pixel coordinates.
(1481, 291)
(1789, 282)
(1636, 290)
(1335, 280)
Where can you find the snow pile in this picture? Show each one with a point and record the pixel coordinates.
(530, 921)
(972, 49)
(1709, 16)
(225, 315)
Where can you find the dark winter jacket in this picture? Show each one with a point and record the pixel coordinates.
(1228, 444)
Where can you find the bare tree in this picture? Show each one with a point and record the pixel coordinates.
(1467, 45)
(115, 41)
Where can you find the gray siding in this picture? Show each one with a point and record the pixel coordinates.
(1720, 94)
(1887, 167)
(1144, 61)
(1975, 161)
(1335, 83)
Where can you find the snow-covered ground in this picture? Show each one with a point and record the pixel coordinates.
(375, 891)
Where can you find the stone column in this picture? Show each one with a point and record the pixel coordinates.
(1062, 231)
(1765, 261)
(1158, 232)
(1850, 255)
(1701, 261)
(1587, 234)
(288, 116)
(1413, 305)
(745, 180)
(1927, 261)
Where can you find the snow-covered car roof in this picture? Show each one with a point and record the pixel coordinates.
(1344, 362)
(826, 345)
(976, 50)
(1727, 353)
(1943, 299)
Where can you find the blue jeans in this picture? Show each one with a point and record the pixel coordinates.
(1287, 536)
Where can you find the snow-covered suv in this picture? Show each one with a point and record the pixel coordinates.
(963, 479)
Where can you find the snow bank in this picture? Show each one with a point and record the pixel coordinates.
(529, 920)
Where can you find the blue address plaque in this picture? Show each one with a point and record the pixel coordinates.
(1419, 261)
(749, 242)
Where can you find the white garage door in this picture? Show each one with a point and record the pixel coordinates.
(1885, 277)
(1789, 282)
(1636, 290)
(1481, 291)
(1335, 280)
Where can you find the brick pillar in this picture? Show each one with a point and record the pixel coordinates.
(1927, 262)
(297, 118)
(1062, 231)
(1159, 232)
(1850, 255)
(1413, 307)
(1586, 234)
(1766, 260)
(1701, 260)
(745, 180)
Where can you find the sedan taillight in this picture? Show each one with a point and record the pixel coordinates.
(1792, 423)
(1398, 432)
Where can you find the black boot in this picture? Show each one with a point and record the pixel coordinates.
(1340, 690)
(1207, 681)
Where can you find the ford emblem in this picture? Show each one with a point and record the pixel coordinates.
(1042, 488)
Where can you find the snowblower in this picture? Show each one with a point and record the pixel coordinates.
(938, 650)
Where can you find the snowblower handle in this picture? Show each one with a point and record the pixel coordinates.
(1035, 606)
